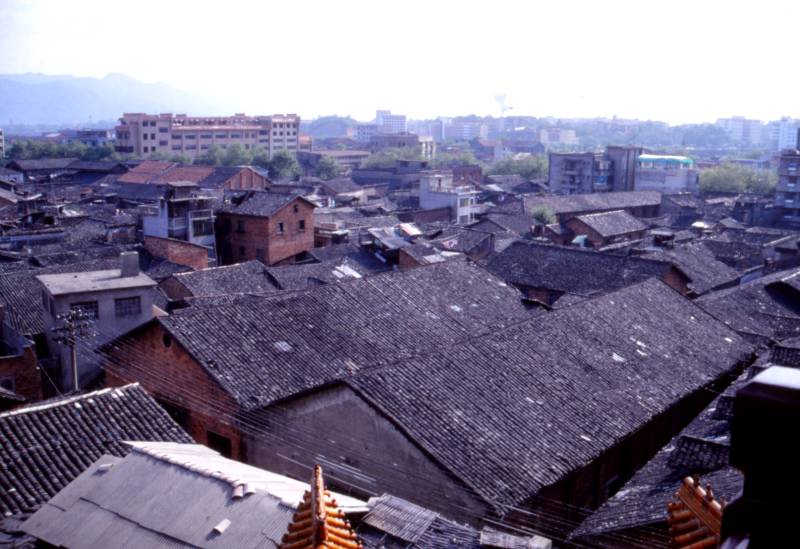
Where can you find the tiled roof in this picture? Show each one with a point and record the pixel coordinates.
(594, 202)
(341, 185)
(614, 223)
(146, 171)
(273, 347)
(765, 308)
(352, 252)
(45, 446)
(700, 265)
(173, 495)
(308, 275)
(565, 269)
(42, 164)
(263, 204)
(629, 355)
(318, 522)
(194, 174)
(248, 277)
(701, 448)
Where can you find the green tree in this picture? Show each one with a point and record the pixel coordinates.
(733, 178)
(327, 168)
(389, 157)
(180, 159)
(282, 165)
(261, 158)
(529, 167)
(543, 214)
(236, 155)
(454, 160)
(212, 157)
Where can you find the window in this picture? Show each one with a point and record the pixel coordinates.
(220, 136)
(191, 147)
(236, 135)
(146, 136)
(88, 308)
(219, 443)
(162, 130)
(190, 136)
(128, 306)
(162, 143)
(177, 136)
(152, 136)
(240, 226)
(202, 227)
(301, 225)
(146, 149)
(205, 136)
(260, 255)
(280, 228)
(295, 209)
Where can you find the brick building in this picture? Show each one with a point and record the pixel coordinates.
(269, 227)
(144, 134)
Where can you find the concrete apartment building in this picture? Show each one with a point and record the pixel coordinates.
(144, 134)
(743, 130)
(787, 192)
(620, 169)
(437, 190)
(114, 301)
(390, 123)
(666, 174)
(466, 131)
(557, 136)
(183, 213)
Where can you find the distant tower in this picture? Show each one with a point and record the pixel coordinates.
(501, 101)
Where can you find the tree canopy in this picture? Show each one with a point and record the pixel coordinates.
(529, 167)
(283, 165)
(733, 178)
(543, 214)
(30, 149)
(388, 157)
(327, 168)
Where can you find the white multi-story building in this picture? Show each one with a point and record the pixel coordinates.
(466, 131)
(437, 190)
(145, 134)
(390, 123)
(743, 130)
(666, 174)
(787, 133)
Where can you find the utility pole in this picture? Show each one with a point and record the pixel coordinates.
(74, 326)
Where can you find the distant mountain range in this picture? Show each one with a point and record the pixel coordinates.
(63, 100)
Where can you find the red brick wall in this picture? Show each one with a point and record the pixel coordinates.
(172, 376)
(27, 379)
(261, 233)
(178, 251)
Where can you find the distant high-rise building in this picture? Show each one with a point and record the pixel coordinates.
(2, 145)
(742, 130)
(466, 131)
(390, 123)
(787, 133)
(557, 136)
(145, 134)
(787, 192)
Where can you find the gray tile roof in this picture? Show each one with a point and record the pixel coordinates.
(701, 448)
(45, 446)
(565, 269)
(247, 277)
(764, 309)
(263, 350)
(262, 203)
(595, 202)
(629, 355)
(700, 265)
(614, 223)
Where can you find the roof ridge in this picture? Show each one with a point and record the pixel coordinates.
(65, 401)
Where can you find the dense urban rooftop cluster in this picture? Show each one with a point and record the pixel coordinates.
(394, 353)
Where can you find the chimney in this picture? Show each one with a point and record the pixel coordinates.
(766, 412)
(129, 264)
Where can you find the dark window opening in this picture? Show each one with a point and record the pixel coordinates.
(128, 306)
(219, 443)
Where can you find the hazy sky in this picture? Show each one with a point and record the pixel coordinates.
(676, 61)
